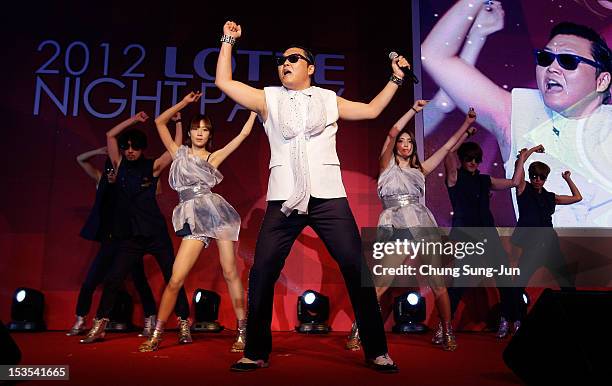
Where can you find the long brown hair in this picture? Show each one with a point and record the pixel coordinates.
(413, 159)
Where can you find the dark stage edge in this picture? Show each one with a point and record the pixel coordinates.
(312, 360)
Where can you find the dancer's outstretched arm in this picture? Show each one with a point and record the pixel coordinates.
(217, 157)
(252, 98)
(387, 150)
(519, 167)
(84, 162)
(565, 199)
(161, 122)
(111, 136)
(432, 162)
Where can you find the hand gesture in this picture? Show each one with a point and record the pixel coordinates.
(489, 19)
(398, 62)
(566, 175)
(232, 29)
(537, 149)
(176, 117)
(419, 105)
(471, 131)
(192, 97)
(140, 117)
(471, 115)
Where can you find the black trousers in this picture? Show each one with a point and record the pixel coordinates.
(130, 253)
(509, 296)
(334, 223)
(98, 270)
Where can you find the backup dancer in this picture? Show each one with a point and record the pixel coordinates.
(201, 215)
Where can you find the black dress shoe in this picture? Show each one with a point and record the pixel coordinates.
(248, 366)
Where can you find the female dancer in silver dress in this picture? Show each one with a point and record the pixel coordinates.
(200, 215)
(401, 187)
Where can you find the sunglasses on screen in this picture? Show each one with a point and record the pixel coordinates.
(569, 62)
(534, 177)
(293, 58)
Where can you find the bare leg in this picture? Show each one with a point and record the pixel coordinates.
(187, 255)
(231, 276)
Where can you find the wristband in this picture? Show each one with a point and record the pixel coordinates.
(228, 39)
(396, 79)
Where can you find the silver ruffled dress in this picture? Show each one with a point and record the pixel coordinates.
(207, 214)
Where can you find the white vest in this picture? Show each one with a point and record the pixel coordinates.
(582, 146)
(323, 162)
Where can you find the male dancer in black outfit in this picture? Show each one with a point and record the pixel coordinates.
(138, 223)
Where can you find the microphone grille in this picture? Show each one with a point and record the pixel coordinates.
(393, 55)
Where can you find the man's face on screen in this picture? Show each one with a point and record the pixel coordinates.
(561, 88)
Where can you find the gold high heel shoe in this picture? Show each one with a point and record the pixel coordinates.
(97, 331)
(449, 342)
(240, 342)
(353, 343)
(184, 333)
(151, 344)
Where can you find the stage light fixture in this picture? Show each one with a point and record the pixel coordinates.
(313, 312)
(121, 313)
(27, 310)
(206, 305)
(409, 313)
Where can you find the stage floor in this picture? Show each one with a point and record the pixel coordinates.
(296, 360)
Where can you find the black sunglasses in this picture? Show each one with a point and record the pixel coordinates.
(293, 58)
(566, 61)
(535, 176)
(476, 159)
(125, 146)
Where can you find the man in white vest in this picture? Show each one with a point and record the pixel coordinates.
(304, 189)
(568, 113)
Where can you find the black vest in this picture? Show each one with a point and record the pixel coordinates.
(470, 198)
(535, 210)
(136, 209)
(99, 223)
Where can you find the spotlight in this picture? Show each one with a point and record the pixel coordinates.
(409, 313)
(313, 312)
(524, 305)
(27, 310)
(206, 304)
(121, 313)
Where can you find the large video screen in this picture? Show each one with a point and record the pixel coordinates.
(483, 55)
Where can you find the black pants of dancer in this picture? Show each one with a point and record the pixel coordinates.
(334, 223)
(511, 307)
(130, 253)
(545, 251)
(98, 269)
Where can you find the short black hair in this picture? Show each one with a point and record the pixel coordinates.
(307, 52)
(469, 150)
(539, 168)
(599, 48)
(135, 136)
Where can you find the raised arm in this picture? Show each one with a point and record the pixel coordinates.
(432, 162)
(161, 122)
(220, 155)
(252, 98)
(354, 111)
(387, 150)
(450, 161)
(166, 158)
(84, 161)
(575, 197)
(461, 81)
(519, 167)
(487, 22)
(111, 136)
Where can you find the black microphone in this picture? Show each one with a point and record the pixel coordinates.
(407, 71)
